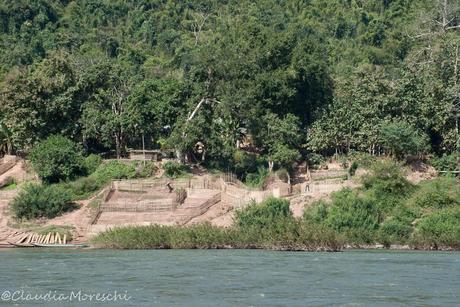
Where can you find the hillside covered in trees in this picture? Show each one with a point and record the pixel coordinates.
(279, 78)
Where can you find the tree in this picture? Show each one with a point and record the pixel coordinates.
(401, 139)
(57, 158)
(108, 115)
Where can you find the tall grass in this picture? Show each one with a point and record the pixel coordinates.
(264, 226)
(292, 235)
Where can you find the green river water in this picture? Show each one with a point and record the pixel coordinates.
(228, 278)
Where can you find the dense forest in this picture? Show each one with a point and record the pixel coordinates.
(217, 80)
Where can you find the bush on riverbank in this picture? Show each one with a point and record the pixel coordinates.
(57, 158)
(36, 200)
(84, 187)
(440, 229)
(390, 210)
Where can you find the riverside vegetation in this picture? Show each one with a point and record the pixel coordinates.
(268, 225)
(387, 209)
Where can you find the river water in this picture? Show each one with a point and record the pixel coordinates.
(228, 278)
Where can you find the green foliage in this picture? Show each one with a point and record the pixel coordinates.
(353, 215)
(114, 170)
(175, 169)
(315, 160)
(284, 156)
(439, 229)
(438, 193)
(91, 163)
(352, 170)
(317, 212)
(257, 180)
(389, 210)
(284, 234)
(447, 163)
(115, 74)
(387, 178)
(36, 200)
(401, 139)
(264, 214)
(56, 158)
(393, 231)
(362, 158)
(244, 163)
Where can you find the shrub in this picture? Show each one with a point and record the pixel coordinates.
(82, 187)
(387, 178)
(394, 230)
(57, 158)
(439, 229)
(114, 170)
(362, 158)
(37, 200)
(91, 163)
(244, 162)
(438, 193)
(447, 162)
(144, 169)
(257, 180)
(263, 214)
(353, 215)
(353, 168)
(401, 139)
(284, 156)
(174, 169)
(315, 160)
(317, 213)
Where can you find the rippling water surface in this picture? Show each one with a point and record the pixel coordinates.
(229, 278)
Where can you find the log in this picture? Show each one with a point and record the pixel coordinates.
(58, 238)
(64, 239)
(52, 238)
(22, 238)
(29, 237)
(47, 239)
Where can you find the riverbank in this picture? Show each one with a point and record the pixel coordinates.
(286, 236)
(205, 236)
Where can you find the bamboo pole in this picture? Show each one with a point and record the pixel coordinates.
(22, 238)
(58, 238)
(47, 239)
(64, 239)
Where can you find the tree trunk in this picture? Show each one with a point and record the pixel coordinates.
(270, 166)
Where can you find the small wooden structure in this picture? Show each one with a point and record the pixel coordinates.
(149, 155)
